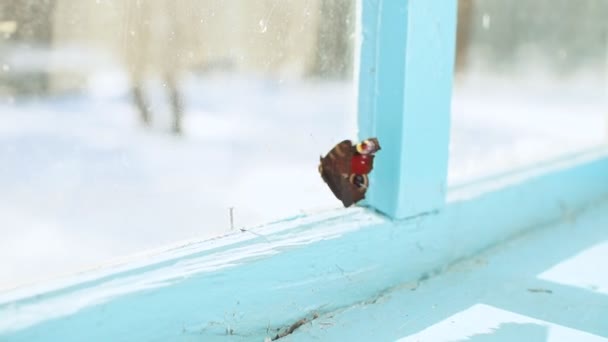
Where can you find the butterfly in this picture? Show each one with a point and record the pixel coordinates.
(345, 169)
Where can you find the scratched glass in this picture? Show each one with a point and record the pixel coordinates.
(128, 125)
(530, 84)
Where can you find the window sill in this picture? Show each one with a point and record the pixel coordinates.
(248, 282)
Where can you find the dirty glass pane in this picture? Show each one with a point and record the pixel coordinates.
(127, 125)
(530, 83)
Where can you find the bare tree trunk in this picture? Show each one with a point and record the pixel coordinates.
(172, 63)
(137, 36)
(334, 57)
(176, 102)
(463, 33)
(153, 40)
(141, 103)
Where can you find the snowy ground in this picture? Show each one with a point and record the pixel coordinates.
(81, 182)
(509, 122)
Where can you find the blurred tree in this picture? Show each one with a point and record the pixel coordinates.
(32, 20)
(463, 33)
(562, 35)
(147, 25)
(335, 39)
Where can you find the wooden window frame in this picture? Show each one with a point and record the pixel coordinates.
(248, 284)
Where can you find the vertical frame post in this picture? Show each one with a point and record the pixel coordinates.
(405, 89)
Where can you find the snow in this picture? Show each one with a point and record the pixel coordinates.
(501, 123)
(82, 182)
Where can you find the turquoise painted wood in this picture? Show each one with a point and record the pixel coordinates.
(405, 90)
(245, 287)
(507, 279)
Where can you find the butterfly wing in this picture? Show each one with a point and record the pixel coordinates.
(335, 169)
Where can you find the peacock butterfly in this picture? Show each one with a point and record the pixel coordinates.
(345, 169)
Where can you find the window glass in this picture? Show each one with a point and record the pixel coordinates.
(127, 125)
(530, 84)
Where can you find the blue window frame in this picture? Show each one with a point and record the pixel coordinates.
(247, 285)
(405, 91)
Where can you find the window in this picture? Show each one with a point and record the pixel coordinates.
(252, 283)
(130, 125)
(530, 83)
